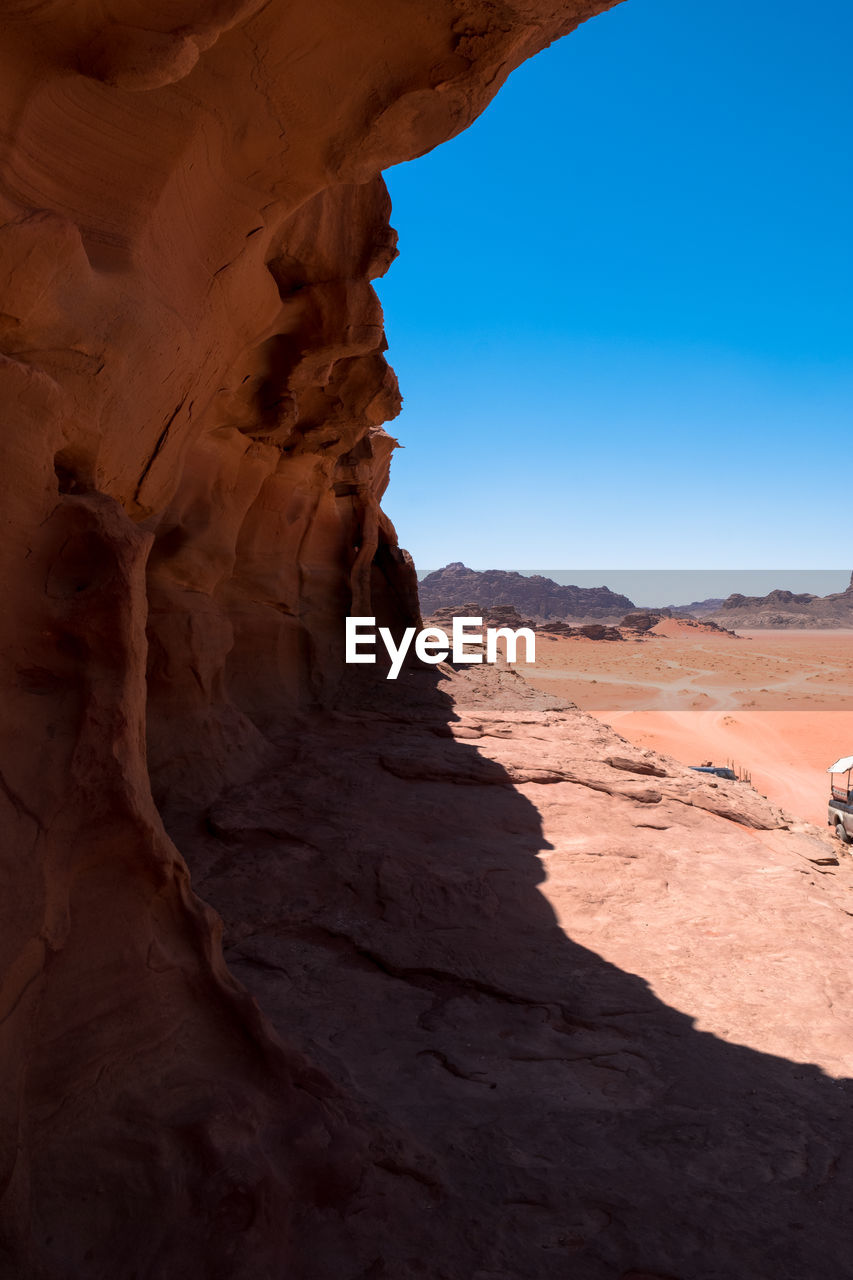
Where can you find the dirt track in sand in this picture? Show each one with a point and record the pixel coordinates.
(777, 703)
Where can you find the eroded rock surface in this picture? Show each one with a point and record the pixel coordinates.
(193, 388)
(193, 385)
(591, 986)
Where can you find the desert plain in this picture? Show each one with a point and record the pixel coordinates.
(778, 705)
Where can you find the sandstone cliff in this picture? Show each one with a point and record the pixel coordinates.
(193, 386)
(405, 1068)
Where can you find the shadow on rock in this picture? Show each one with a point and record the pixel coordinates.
(541, 1113)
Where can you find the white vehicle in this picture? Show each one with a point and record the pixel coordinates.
(840, 810)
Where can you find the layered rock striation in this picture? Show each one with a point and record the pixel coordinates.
(193, 386)
(317, 1067)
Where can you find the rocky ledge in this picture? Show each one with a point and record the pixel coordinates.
(589, 1004)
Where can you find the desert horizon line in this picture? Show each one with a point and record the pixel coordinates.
(661, 588)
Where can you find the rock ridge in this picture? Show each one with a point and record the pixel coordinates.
(534, 595)
(788, 609)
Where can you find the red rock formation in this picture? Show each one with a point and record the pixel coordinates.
(193, 386)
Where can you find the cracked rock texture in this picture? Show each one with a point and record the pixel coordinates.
(462, 986)
(603, 998)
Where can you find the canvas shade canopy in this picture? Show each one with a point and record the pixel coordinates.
(844, 765)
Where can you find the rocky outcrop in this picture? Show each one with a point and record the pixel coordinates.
(534, 596)
(647, 623)
(596, 631)
(499, 615)
(640, 622)
(505, 615)
(784, 609)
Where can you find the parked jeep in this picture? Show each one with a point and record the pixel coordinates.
(840, 809)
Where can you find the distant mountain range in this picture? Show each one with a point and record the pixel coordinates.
(696, 608)
(535, 597)
(784, 609)
(541, 599)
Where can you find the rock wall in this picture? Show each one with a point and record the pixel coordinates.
(193, 388)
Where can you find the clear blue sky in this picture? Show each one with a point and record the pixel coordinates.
(622, 317)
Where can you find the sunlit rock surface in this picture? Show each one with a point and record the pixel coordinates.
(193, 391)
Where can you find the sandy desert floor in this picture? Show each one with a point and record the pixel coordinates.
(778, 704)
